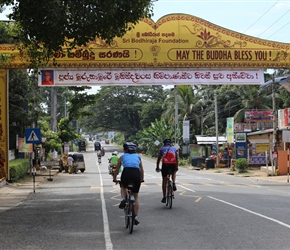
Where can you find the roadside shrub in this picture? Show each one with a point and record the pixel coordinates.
(18, 169)
(183, 162)
(242, 165)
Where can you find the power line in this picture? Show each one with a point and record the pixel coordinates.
(261, 16)
(274, 23)
(278, 30)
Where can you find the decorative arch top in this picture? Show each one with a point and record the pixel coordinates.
(174, 41)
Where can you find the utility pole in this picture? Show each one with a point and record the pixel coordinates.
(274, 120)
(216, 129)
(53, 110)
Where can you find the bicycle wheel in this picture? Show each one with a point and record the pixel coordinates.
(126, 216)
(131, 216)
(169, 195)
(126, 210)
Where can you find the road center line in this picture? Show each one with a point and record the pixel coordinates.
(107, 236)
(252, 212)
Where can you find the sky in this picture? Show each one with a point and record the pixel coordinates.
(265, 19)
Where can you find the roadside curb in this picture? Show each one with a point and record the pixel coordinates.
(253, 174)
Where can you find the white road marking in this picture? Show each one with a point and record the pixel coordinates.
(188, 189)
(252, 212)
(107, 236)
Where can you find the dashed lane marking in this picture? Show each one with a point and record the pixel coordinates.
(185, 193)
(208, 185)
(186, 184)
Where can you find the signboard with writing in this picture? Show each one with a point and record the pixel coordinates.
(174, 41)
(241, 137)
(257, 153)
(110, 77)
(230, 129)
(258, 116)
(23, 146)
(287, 117)
(241, 150)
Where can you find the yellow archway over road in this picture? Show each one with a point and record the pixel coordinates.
(174, 41)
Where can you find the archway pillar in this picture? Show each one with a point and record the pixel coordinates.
(4, 129)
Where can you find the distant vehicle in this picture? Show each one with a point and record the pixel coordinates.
(79, 161)
(97, 146)
(107, 141)
(82, 146)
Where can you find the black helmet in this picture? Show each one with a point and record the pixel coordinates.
(130, 146)
(167, 141)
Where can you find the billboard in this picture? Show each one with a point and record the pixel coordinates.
(258, 116)
(230, 129)
(138, 76)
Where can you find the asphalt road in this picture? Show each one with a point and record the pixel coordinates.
(210, 211)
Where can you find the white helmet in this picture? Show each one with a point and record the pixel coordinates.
(115, 153)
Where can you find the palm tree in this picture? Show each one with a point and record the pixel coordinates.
(186, 105)
(249, 98)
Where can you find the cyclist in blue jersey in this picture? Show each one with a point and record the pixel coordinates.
(133, 172)
(169, 157)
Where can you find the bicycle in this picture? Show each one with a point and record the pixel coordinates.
(129, 208)
(99, 154)
(169, 190)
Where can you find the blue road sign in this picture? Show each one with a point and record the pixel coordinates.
(33, 136)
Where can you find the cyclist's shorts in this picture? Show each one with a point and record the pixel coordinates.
(166, 168)
(131, 175)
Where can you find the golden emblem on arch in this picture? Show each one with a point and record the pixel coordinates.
(155, 50)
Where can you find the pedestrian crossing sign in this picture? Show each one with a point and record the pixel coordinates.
(33, 136)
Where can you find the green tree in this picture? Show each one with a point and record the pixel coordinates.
(18, 105)
(251, 98)
(65, 131)
(73, 23)
(159, 130)
(186, 102)
(203, 113)
(52, 142)
(119, 108)
(79, 100)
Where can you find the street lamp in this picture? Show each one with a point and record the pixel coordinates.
(286, 83)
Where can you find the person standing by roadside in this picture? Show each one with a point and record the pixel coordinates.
(70, 161)
(169, 157)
